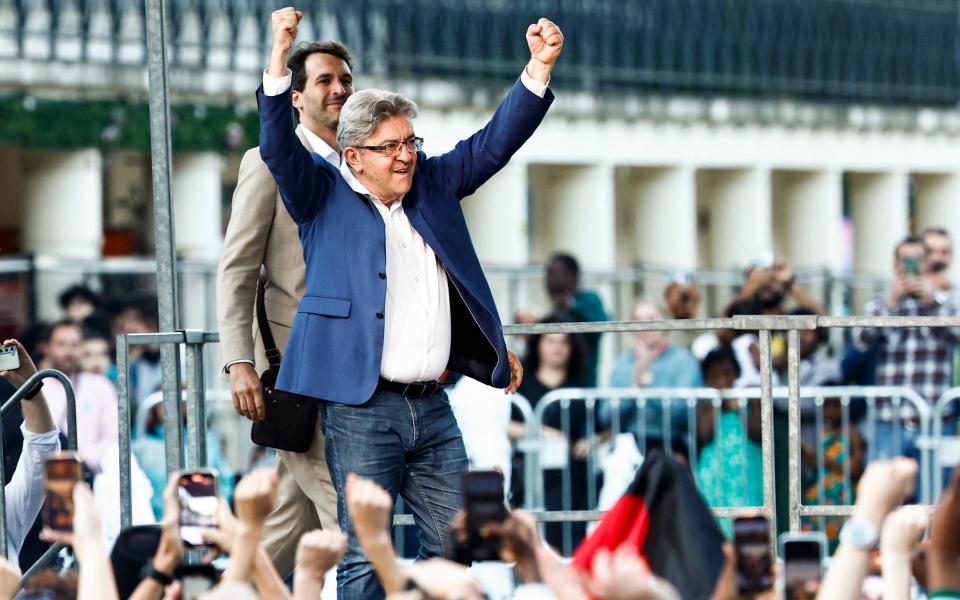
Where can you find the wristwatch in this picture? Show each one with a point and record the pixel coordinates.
(860, 533)
(164, 579)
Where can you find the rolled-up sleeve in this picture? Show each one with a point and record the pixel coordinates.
(25, 492)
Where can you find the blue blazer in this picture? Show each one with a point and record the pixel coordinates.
(336, 342)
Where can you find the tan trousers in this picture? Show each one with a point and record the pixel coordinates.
(306, 500)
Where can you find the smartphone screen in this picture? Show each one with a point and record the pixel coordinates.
(9, 358)
(802, 568)
(62, 473)
(911, 265)
(198, 495)
(483, 502)
(751, 536)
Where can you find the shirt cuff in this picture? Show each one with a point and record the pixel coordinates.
(274, 86)
(226, 367)
(536, 87)
(36, 439)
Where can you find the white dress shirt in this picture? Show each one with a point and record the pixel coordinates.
(417, 327)
(26, 490)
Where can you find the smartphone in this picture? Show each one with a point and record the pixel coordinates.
(198, 493)
(483, 503)
(62, 472)
(802, 563)
(9, 358)
(751, 537)
(911, 265)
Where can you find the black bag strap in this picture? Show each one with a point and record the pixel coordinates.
(273, 355)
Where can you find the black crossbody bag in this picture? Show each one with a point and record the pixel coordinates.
(291, 419)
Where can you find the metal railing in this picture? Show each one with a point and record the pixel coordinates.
(886, 51)
(7, 408)
(764, 325)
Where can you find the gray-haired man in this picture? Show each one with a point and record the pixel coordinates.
(394, 289)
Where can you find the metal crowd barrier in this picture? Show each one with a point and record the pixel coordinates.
(604, 410)
(71, 432)
(763, 325)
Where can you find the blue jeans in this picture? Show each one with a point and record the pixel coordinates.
(411, 447)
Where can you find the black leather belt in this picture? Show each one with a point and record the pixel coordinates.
(417, 389)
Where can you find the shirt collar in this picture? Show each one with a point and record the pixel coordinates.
(361, 189)
(321, 147)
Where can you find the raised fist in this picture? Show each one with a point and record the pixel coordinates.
(255, 496)
(545, 41)
(285, 23)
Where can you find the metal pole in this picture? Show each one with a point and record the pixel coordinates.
(766, 416)
(196, 415)
(793, 426)
(161, 156)
(123, 420)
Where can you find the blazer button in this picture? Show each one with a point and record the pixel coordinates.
(379, 315)
(382, 275)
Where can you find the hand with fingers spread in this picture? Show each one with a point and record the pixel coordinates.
(246, 391)
(899, 538)
(545, 41)
(516, 374)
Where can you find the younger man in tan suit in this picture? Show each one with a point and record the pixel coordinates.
(261, 232)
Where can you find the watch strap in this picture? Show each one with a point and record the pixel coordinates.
(160, 577)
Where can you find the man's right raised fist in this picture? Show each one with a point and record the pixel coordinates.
(285, 23)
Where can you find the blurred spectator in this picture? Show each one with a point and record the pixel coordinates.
(573, 304)
(838, 453)
(682, 296)
(730, 468)
(24, 494)
(96, 398)
(939, 248)
(96, 355)
(653, 362)
(920, 358)
(771, 282)
(78, 302)
(139, 315)
(555, 361)
(149, 450)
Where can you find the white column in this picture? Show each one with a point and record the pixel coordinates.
(573, 211)
(657, 217)
(738, 211)
(63, 194)
(807, 214)
(879, 210)
(497, 217)
(937, 204)
(198, 208)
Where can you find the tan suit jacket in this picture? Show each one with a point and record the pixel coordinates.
(261, 233)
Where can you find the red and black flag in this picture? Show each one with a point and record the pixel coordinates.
(664, 517)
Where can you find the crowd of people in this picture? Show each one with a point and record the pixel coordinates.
(385, 358)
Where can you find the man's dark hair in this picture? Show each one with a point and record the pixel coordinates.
(297, 61)
(719, 356)
(910, 239)
(77, 291)
(48, 334)
(568, 262)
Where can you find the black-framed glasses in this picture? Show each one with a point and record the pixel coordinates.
(414, 144)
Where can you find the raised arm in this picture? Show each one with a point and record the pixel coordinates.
(476, 159)
(303, 179)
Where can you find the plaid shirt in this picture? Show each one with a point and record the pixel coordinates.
(920, 358)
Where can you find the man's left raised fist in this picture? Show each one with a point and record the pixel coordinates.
(545, 41)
